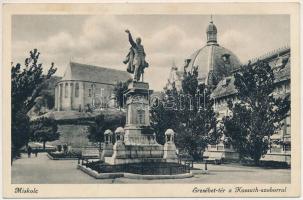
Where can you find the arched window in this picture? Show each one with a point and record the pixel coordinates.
(60, 90)
(77, 90)
(66, 90)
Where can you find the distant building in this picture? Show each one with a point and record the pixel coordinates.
(216, 65)
(86, 87)
(280, 149)
(175, 77)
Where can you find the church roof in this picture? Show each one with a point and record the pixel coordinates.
(84, 72)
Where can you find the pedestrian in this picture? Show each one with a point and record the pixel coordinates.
(36, 152)
(29, 151)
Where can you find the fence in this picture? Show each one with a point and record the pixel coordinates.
(159, 168)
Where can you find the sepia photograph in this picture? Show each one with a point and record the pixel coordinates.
(141, 98)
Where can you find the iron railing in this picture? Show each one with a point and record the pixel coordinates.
(153, 168)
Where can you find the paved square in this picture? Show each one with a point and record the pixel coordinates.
(42, 170)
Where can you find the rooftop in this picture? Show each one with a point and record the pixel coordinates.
(91, 73)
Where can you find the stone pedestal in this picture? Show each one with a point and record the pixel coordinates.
(170, 151)
(139, 143)
(107, 150)
(90, 151)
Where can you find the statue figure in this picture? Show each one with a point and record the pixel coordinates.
(135, 58)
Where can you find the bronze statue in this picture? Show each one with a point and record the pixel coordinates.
(135, 58)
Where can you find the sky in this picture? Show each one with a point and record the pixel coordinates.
(101, 39)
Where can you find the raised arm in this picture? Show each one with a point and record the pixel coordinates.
(130, 38)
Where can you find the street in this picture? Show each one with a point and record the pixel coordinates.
(42, 170)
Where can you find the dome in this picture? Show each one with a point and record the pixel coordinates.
(213, 61)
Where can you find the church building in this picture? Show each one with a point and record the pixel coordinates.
(87, 87)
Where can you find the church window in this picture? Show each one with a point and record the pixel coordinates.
(66, 90)
(225, 58)
(60, 90)
(77, 90)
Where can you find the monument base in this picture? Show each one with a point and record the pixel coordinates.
(136, 142)
(117, 161)
(135, 153)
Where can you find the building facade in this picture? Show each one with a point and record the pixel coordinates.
(86, 87)
(216, 65)
(280, 149)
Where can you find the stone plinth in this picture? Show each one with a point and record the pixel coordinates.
(136, 153)
(138, 144)
(107, 151)
(170, 150)
(108, 146)
(90, 151)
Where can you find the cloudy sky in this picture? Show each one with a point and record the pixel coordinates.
(101, 40)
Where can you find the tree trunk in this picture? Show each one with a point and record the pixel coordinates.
(195, 155)
(44, 145)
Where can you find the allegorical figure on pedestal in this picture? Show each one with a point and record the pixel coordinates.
(135, 59)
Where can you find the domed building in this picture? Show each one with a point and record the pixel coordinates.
(216, 65)
(212, 61)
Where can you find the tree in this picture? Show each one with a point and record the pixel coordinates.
(26, 85)
(197, 116)
(102, 123)
(119, 90)
(189, 113)
(256, 114)
(44, 130)
(163, 113)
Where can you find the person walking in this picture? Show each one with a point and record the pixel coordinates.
(36, 152)
(29, 151)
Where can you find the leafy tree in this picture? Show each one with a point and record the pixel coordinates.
(26, 85)
(102, 123)
(189, 113)
(44, 130)
(119, 90)
(256, 114)
(163, 113)
(20, 132)
(197, 116)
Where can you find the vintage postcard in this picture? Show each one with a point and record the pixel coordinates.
(151, 100)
